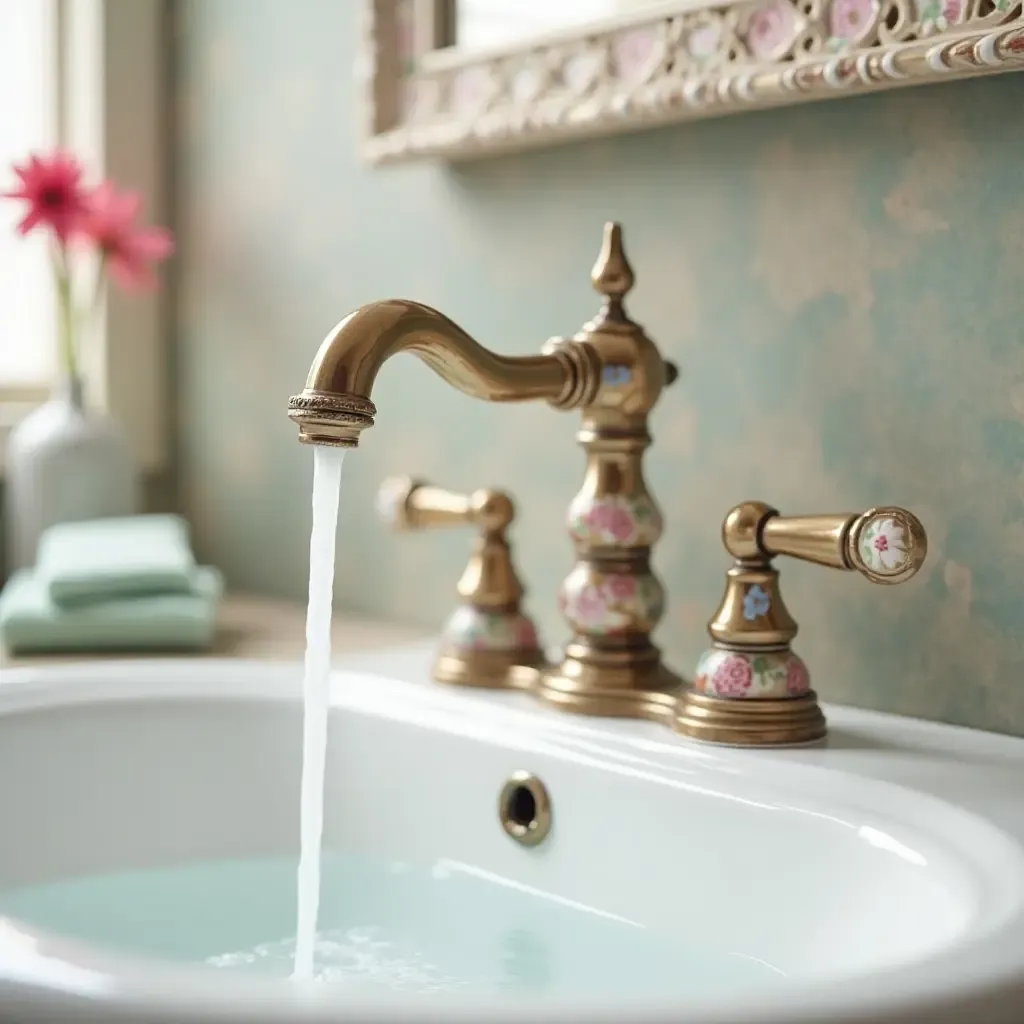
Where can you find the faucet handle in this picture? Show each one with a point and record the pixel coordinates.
(409, 504)
(886, 545)
(488, 640)
(750, 687)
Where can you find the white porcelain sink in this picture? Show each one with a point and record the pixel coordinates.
(879, 877)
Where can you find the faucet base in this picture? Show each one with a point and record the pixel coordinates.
(750, 723)
(612, 685)
(488, 670)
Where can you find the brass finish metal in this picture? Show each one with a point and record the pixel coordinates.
(488, 641)
(524, 809)
(335, 407)
(886, 545)
(750, 688)
(752, 723)
(612, 598)
(614, 373)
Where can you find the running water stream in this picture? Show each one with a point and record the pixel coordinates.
(327, 463)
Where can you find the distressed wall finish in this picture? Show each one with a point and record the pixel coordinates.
(841, 284)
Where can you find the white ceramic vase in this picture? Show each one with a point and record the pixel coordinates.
(64, 463)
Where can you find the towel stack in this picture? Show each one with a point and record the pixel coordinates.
(127, 584)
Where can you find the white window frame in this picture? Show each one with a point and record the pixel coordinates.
(112, 104)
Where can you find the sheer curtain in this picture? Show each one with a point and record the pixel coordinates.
(27, 123)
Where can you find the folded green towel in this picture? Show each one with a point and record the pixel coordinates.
(101, 558)
(32, 622)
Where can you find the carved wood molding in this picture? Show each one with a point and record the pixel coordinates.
(680, 62)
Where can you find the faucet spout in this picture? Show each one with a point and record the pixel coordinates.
(335, 406)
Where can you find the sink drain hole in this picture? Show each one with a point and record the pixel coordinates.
(525, 809)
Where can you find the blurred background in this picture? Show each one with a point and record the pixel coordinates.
(839, 284)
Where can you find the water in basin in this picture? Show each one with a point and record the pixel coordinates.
(445, 929)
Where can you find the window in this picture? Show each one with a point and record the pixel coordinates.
(91, 75)
(28, 101)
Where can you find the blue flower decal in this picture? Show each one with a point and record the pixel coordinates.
(756, 603)
(614, 374)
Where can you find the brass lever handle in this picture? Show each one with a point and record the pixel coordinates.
(408, 504)
(750, 687)
(886, 545)
(488, 640)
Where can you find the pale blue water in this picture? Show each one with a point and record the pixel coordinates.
(386, 926)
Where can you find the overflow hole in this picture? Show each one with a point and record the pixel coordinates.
(524, 809)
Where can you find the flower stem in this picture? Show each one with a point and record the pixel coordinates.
(98, 289)
(65, 315)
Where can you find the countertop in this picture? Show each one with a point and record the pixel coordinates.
(259, 627)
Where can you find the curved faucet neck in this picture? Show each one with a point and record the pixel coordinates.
(336, 404)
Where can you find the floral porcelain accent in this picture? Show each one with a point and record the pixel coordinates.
(882, 546)
(616, 520)
(753, 676)
(391, 498)
(756, 602)
(634, 52)
(472, 629)
(772, 29)
(704, 40)
(938, 15)
(605, 604)
(851, 20)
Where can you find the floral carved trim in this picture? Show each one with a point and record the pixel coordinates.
(660, 68)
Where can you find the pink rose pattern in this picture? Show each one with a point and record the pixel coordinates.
(611, 604)
(733, 677)
(472, 629)
(851, 19)
(770, 676)
(798, 680)
(939, 15)
(634, 51)
(616, 521)
(771, 30)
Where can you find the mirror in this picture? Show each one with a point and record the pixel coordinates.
(485, 24)
(456, 79)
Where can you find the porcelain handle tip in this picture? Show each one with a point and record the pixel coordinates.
(887, 545)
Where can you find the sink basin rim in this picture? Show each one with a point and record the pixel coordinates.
(980, 971)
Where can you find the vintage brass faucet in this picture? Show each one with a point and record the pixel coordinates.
(614, 374)
(750, 688)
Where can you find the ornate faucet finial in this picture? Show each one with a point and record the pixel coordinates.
(612, 276)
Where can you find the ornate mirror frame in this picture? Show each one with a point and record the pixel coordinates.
(678, 60)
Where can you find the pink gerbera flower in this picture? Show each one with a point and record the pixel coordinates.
(52, 187)
(128, 249)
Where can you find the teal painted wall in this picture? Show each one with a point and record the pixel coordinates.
(841, 284)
